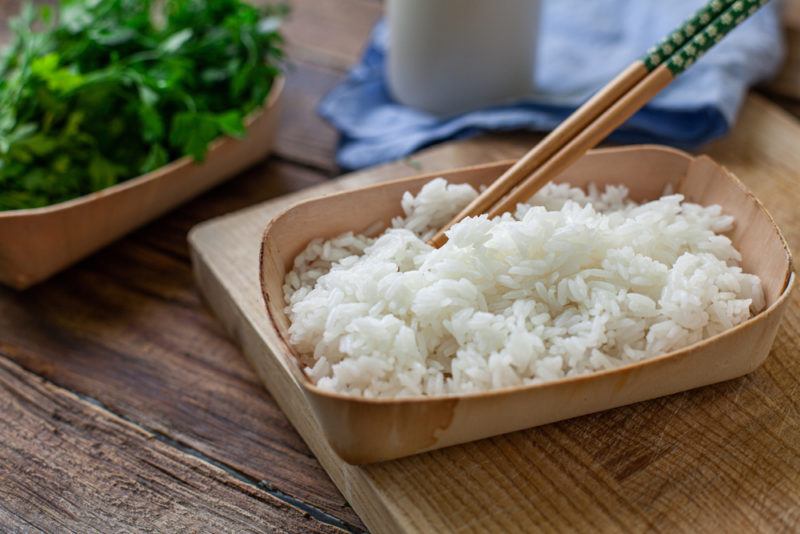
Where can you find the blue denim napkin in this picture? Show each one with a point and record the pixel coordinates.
(583, 44)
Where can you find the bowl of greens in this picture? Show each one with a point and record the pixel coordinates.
(112, 112)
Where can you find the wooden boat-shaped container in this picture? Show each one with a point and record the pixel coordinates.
(369, 430)
(36, 243)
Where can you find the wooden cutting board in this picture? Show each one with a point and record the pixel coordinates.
(720, 458)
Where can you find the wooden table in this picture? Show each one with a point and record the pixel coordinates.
(124, 406)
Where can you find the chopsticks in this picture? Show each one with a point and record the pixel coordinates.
(608, 109)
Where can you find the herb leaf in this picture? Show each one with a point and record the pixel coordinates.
(109, 89)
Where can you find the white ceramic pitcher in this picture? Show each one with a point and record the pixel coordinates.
(451, 56)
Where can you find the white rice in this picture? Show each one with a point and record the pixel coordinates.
(572, 283)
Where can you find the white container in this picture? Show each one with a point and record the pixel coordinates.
(451, 56)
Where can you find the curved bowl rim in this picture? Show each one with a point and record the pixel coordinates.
(311, 388)
(274, 93)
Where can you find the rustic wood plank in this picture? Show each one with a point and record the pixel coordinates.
(127, 327)
(89, 357)
(786, 103)
(324, 38)
(303, 136)
(68, 465)
(330, 32)
(791, 13)
(721, 458)
(787, 82)
(161, 279)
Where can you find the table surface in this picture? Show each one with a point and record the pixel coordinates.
(124, 405)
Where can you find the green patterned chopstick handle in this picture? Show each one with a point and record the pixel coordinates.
(712, 34)
(672, 42)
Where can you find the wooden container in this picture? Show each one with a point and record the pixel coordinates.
(36, 243)
(369, 430)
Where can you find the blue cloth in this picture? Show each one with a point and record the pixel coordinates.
(582, 45)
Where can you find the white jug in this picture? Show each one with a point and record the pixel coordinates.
(451, 56)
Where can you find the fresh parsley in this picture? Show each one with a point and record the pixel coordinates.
(105, 90)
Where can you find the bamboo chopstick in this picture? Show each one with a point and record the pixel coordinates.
(608, 109)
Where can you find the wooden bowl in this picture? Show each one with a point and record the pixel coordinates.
(36, 243)
(368, 430)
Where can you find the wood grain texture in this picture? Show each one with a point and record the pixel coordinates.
(68, 465)
(190, 385)
(329, 33)
(720, 458)
(146, 281)
(791, 14)
(127, 328)
(173, 370)
(787, 82)
(303, 136)
(324, 39)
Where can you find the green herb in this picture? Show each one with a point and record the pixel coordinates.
(110, 89)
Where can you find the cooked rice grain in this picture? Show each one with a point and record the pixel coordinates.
(573, 282)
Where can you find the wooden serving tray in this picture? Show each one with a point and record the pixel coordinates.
(622, 469)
